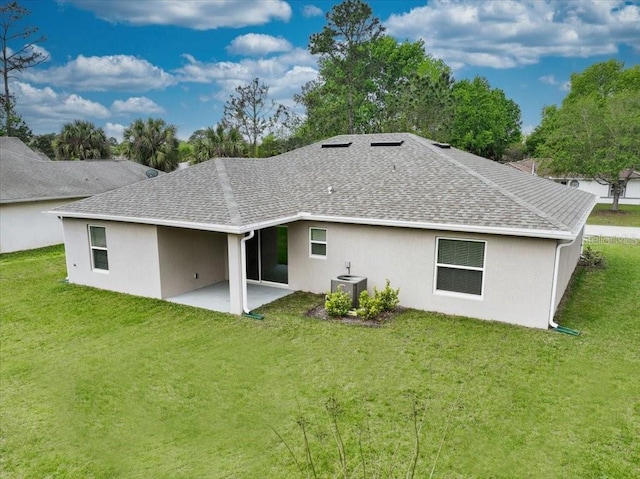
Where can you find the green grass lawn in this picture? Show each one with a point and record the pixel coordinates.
(103, 385)
(627, 215)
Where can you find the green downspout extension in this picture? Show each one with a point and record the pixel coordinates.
(565, 330)
(253, 315)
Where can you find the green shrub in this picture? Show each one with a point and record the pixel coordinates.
(338, 303)
(388, 297)
(591, 258)
(370, 306)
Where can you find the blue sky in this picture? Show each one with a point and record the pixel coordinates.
(112, 61)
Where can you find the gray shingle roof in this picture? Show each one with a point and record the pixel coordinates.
(27, 176)
(415, 183)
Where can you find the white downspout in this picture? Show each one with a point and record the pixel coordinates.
(243, 262)
(556, 268)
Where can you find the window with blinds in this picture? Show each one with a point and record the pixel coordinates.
(460, 266)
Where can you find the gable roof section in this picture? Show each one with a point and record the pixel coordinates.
(26, 176)
(407, 181)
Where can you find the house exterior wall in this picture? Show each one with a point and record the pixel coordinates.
(517, 277)
(25, 226)
(134, 266)
(184, 253)
(569, 257)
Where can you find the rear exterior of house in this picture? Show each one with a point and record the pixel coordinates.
(508, 263)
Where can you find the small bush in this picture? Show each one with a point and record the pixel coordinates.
(591, 258)
(337, 303)
(370, 306)
(388, 297)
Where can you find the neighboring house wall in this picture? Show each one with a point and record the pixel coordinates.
(517, 275)
(185, 254)
(132, 249)
(25, 226)
(631, 194)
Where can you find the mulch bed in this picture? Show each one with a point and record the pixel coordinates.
(320, 313)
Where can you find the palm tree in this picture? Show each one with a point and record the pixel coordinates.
(218, 142)
(81, 140)
(152, 143)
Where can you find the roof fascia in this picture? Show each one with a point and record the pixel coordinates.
(531, 233)
(150, 221)
(45, 198)
(522, 232)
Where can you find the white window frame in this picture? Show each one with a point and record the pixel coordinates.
(623, 192)
(312, 242)
(444, 292)
(93, 248)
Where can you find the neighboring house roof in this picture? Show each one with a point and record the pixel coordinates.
(414, 184)
(27, 176)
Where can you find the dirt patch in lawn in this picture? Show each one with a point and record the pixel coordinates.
(318, 312)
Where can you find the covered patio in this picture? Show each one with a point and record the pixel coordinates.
(216, 297)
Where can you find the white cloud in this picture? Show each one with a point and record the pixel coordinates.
(311, 11)
(115, 130)
(508, 33)
(548, 80)
(551, 80)
(257, 44)
(194, 14)
(45, 110)
(236, 73)
(112, 72)
(137, 104)
(284, 75)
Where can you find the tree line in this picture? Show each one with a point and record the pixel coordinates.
(368, 82)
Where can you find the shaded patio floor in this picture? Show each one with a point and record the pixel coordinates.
(215, 297)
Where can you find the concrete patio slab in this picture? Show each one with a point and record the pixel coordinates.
(215, 297)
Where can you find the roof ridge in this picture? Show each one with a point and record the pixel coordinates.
(494, 185)
(227, 191)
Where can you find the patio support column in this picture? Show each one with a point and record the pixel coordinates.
(235, 273)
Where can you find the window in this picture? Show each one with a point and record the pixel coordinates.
(98, 243)
(318, 242)
(622, 191)
(460, 266)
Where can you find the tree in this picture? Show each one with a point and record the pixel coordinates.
(218, 142)
(402, 89)
(415, 90)
(486, 121)
(540, 134)
(81, 140)
(251, 113)
(152, 143)
(16, 59)
(44, 143)
(344, 43)
(19, 128)
(596, 131)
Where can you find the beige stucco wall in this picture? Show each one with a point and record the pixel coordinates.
(517, 279)
(134, 266)
(186, 253)
(25, 226)
(569, 257)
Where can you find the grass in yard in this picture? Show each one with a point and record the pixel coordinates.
(103, 385)
(627, 215)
